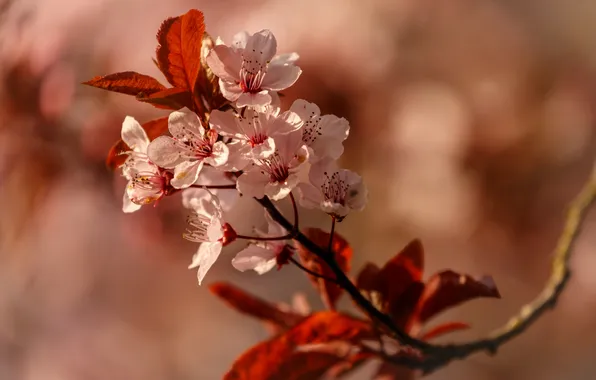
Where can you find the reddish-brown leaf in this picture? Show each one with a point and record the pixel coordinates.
(253, 306)
(306, 366)
(444, 328)
(342, 252)
(153, 128)
(398, 283)
(266, 360)
(179, 50)
(447, 289)
(127, 82)
(403, 270)
(171, 99)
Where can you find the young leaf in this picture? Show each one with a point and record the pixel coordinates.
(179, 50)
(171, 99)
(127, 82)
(342, 252)
(153, 128)
(267, 359)
(447, 289)
(253, 306)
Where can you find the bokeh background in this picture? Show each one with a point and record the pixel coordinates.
(472, 122)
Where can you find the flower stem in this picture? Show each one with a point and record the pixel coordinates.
(221, 187)
(330, 246)
(311, 272)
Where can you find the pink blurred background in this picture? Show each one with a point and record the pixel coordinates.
(472, 123)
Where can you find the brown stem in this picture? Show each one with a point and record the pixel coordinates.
(311, 272)
(215, 187)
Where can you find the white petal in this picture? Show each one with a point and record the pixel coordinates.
(205, 258)
(184, 123)
(253, 100)
(334, 131)
(288, 144)
(277, 191)
(127, 205)
(134, 135)
(226, 124)
(274, 228)
(321, 170)
(357, 194)
(306, 110)
(280, 77)
(225, 63)
(285, 59)
(286, 122)
(219, 154)
(165, 152)
(264, 149)
(186, 173)
(261, 47)
(203, 202)
(239, 156)
(310, 196)
(333, 208)
(239, 40)
(230, 90)
(252, 183)
(256, 258)
(212, 176)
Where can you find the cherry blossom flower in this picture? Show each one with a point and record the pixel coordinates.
(146, 182)
(335, 191)
(324, 135)
(206, 226)
(262, 256)
(256, 128)
(276, 175)
(249, 70)
(189, 148)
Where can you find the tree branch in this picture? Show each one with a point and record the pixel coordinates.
(436, 356)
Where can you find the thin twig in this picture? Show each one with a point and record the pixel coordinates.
(330, 246)
(264, 238)
(295, 207)
(311, 272)
(215, 187)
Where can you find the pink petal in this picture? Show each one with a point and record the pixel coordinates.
(164, 152)
(280, 77)
(134, 135)
(225, 63)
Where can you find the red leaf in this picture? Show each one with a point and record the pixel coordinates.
(179, 51)
(342, 252)
(267, 360)
(253, 306)
(444, 328)
(127, 82)
(153, 128)
(171, 99)
(398, 283)
(447, 289)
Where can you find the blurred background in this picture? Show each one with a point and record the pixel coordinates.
(472, 123)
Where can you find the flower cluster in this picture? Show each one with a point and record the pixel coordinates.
(253, 145)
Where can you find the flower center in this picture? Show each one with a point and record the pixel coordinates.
(199, 225)
(334, 188)
(311, 130)
(275, 167)
(257, 139)
(252, 74)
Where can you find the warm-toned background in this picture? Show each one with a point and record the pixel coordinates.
(472, 124)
